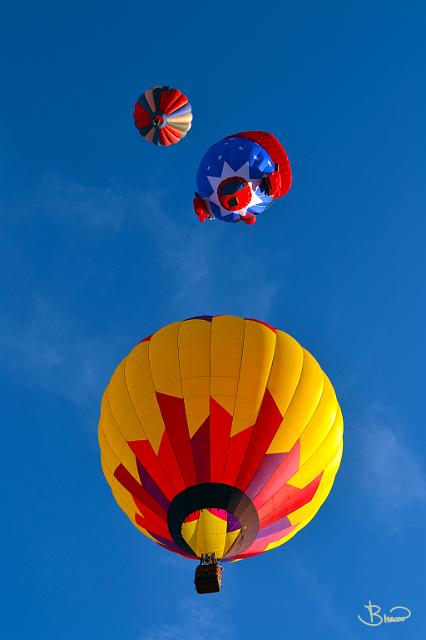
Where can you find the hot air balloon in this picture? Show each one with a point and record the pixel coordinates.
(240, 176)
(220, 438)
(163, 115)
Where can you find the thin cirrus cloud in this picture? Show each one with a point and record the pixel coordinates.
(392, 476)
(198, 267)
(203, 267)
(91, 208)
(321, 595)
(44, 348)
(194, 620)
(41, 338)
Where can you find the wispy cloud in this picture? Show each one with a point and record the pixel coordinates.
(199, 262)
(194, 620)
(317, 590)
(47, 348)
(92, 208)
(391, 471)
(56, 348)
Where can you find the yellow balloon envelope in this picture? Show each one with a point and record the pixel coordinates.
(220, 435)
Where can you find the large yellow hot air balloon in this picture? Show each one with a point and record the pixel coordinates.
(220, 437)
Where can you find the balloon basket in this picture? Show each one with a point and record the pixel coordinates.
(208, 576)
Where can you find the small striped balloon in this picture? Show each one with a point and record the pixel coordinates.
(163, 115)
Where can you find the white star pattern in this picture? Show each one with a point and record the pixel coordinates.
(242, 172)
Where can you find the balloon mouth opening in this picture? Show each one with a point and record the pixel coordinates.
(158, 121)
(220, 523)
(236, 506)
(234, 193)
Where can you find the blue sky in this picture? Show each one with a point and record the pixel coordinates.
(99, 247)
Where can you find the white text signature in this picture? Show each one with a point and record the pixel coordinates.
(398, 613)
